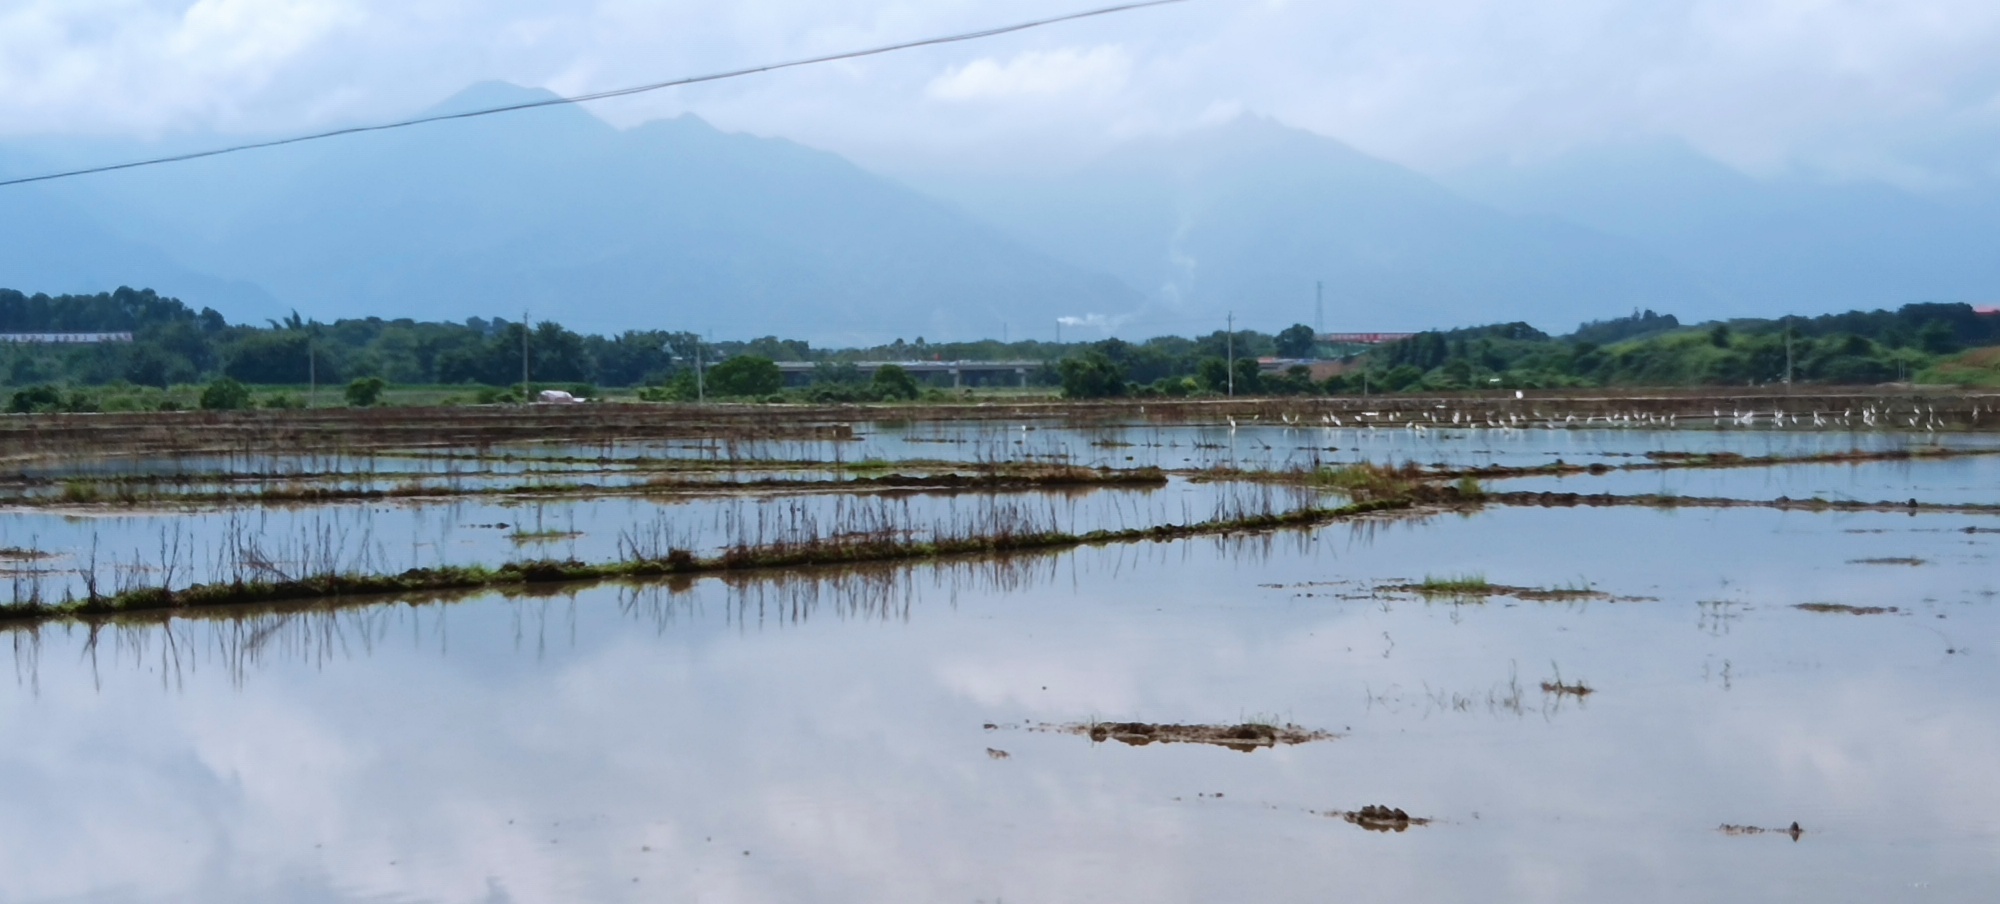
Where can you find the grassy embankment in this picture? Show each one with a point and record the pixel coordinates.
(1978, 368)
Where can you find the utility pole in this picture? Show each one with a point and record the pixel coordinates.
(312, 372)
(1319, 308)
(700, 388)
(1058, 330)
(1230, 339)
(524, 356)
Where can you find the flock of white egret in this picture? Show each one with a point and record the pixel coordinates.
(1869, 416)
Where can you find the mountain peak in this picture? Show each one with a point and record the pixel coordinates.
(487, 95)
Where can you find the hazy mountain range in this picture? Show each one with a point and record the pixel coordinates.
(1251, 215)
(674, 224)
(1765, 245)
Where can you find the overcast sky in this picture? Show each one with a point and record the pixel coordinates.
(1908, 91)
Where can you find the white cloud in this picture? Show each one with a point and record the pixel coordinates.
(1098, 70)
(134, 66)
(1099, 322)
(239, 34)
(1851, 86)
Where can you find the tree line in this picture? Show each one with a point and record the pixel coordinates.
(1644, 349)
(176, 345)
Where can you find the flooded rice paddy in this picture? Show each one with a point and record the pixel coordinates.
(1452, 701)
(1972, 479)
(162, 544)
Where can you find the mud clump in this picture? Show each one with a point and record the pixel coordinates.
(1844, 609)
(1019, 479)
(1246, 737)
(1911, 561)
(1376, 818)
(1697, 457)
(1735, 830)
(1558, 688)
(1475, 589)
(1560, 594)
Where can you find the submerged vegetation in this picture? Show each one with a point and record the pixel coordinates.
(247, 573)
(1456, 585)
(1476, 587)
(1367, 480)
(635, 478)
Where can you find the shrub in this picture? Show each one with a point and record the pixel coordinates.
(745, 375)
(893, 382)
(36, 399)
(46, 398)
(225, 394)
(837, 393)
(365, 392)
(1091, 375)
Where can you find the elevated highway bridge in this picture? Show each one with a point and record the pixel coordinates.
(961, 373)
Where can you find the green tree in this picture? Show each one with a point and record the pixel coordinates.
(1296, 380)
(1457, 373)
(364, 392)
(893, 382)
(1091, 375)
(1297, 341)
(558, 354)
(151, 365)
(1249, 377)
(1213, 374)
(778, 349)
(278, 357)
(745, 375)
(633, 358)
(1399, 377)
(837, 373)
(225, 394)
(1938, 338)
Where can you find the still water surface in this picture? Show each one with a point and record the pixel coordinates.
(822, 738)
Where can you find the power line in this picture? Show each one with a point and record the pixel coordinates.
(602, 95)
